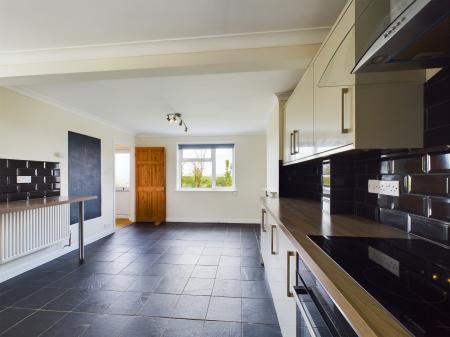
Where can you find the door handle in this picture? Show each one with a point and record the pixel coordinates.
(263, 217)
(288, 273)
(271, 241)
(344, 92)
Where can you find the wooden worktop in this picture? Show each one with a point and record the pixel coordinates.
(299, 218)
(23, 205)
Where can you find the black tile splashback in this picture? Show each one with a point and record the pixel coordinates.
(423, 207)
(45, 179)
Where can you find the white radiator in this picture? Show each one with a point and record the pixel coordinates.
(25, 232)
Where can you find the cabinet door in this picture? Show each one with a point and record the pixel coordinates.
(300, 117)
(285, 305)
(264, 238)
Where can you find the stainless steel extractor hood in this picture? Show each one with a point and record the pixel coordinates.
(415, 35)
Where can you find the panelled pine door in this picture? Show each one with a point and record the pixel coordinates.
(151, 184)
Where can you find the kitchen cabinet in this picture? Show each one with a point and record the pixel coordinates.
(279, 257)
(332, 110)
(299, 119)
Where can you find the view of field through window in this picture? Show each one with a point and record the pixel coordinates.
(207, 167)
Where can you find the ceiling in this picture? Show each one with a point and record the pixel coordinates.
(30, 25)
(213, 104)
(55, 35)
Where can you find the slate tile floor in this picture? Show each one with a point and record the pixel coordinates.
(199, 280)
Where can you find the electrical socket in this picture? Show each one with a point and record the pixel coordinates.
(385, 187)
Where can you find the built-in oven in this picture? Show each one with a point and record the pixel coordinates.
(317, 315)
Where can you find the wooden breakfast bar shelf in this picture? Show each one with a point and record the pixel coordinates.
(24, 205)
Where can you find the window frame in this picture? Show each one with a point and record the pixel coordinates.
(213, 188)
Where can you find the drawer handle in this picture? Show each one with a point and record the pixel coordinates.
(271, 241)
(344, 92)
(263, 217)
(288, 273)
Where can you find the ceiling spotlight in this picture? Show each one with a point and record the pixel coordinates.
(176, 118)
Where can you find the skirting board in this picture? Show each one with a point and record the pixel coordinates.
(214, 220)
(26, 266)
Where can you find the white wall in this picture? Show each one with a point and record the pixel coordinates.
(33, 130)
(213, 206)
(272, 148)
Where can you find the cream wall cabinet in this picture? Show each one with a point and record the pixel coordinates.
(332, 110)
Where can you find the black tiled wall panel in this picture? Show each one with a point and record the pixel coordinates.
(45, 179)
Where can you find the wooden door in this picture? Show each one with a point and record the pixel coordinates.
(150, 184)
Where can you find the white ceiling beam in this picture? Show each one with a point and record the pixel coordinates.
(207, 62)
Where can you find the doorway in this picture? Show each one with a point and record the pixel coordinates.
(122, 182)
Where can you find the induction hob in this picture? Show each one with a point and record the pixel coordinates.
(409, 277)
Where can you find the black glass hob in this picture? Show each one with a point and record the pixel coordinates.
(409, 277)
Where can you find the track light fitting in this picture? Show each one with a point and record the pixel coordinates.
(176, 118)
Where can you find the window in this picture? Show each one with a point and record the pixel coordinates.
(206, 167)
(122, 170)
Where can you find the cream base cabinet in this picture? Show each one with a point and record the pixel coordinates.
(279, 256)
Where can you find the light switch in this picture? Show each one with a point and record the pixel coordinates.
(23, 179)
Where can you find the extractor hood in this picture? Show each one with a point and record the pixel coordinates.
(415, 35)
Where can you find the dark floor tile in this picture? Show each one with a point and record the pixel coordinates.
(145, 283)
(71, 325)
(252, 274)
(11, 316)
(103, 256)
(128, 303)
(170, 270)
(228, 273)
(147, 259)
(250, 251)
(224, 309)
(259, 330)
(171, 285)
(232, 244)
(222, 329)
(82, 281)
(135, 268)
(250, 261)
(209, 260)
(16, 294)
(258, 311)
(98, 301)
(127, 257)
(36, 278)
(159, 305)
(193, 250)
(255, 289)
(208, 251)
(227, 288)
(231, 261)
(183, 328)
(231, 251)
(199, 286)
(144, 327)
(39, 298)
(68, 300)
(34, 325)
(103, 267)
(204, 271)
(120, 282)
(191, 307)
(108, 326)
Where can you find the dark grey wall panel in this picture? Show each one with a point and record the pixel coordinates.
(85, 174)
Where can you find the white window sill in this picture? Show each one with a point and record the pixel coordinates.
(206, 190)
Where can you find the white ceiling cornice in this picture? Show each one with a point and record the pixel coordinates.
(168, 46)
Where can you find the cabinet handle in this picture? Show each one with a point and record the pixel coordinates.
(344, 92)
(296, 141)
(288, 274)
(292, 143)
(271, 241)
(263, 218)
